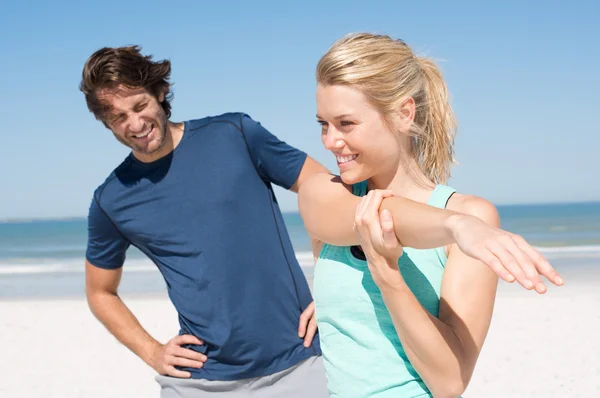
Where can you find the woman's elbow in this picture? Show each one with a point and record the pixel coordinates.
(451, 388)
(449, 392)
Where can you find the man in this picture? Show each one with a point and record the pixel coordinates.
(197, 199)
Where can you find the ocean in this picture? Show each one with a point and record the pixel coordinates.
(45, 257)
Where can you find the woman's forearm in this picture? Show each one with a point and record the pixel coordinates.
(421, 226)
(432, 347)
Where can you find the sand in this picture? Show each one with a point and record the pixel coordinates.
(538, 346)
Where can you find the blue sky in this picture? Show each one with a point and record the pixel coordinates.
(524, 80)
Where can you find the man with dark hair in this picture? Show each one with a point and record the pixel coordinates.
(197, 199)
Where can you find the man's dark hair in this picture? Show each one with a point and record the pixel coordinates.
(111, 67)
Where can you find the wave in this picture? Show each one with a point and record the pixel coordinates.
(305, 259)
(50, 266)
(569, 249)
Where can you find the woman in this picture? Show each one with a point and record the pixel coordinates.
(397, 321)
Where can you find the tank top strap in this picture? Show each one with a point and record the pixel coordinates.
(440, 195)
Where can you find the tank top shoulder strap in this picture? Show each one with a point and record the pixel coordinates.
(440, 195)
(439, 198)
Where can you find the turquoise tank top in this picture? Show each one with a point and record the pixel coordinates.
(362, 353)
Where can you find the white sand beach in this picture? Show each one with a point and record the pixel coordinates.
(538, 346)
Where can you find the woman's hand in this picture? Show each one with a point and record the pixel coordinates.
(378, 239)
(507, 254)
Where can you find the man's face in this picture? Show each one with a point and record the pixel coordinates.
(136, 118)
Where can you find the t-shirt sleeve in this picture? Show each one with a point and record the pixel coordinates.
(276, 161)
(106, 246)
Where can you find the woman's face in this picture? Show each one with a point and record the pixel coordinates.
(356, 134)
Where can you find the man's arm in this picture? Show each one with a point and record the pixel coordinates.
(310, 168)
(275, 160)
(106, 305)
(280, 163)
(105, 256)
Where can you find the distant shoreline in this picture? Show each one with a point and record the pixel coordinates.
(26, 220)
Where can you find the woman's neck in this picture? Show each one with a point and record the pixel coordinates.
(408, 181)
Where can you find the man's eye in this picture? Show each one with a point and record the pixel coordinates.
(141, 107)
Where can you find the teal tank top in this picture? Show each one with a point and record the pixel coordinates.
(362, 353)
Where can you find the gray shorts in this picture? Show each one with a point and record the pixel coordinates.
(306, 379)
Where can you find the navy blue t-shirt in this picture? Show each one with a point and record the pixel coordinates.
(207, 216)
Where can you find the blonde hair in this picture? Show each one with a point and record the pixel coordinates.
(387, 73)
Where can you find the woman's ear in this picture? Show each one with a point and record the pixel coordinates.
(406, 114)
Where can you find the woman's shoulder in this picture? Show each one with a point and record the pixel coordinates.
(475, 206)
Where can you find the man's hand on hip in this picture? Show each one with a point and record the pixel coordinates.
(308, 325)
(166, 356)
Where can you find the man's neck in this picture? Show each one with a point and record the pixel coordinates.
(173, 137)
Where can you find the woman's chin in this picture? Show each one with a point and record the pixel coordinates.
(351, 177)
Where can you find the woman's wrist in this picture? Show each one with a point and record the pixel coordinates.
(387, 275)
(454, 223)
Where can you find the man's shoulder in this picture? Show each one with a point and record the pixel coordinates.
(112, 178)
(231, 118)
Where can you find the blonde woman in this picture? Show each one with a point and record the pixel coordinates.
(398, 318)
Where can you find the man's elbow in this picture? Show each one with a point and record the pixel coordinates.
(94, 299)
(98, 299)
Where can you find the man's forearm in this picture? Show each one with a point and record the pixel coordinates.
(121, 323)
